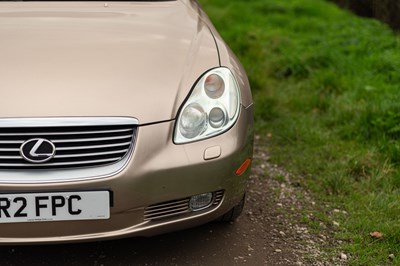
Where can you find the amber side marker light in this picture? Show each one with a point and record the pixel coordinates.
(243, 167)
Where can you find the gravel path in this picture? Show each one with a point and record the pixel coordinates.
(269, 232)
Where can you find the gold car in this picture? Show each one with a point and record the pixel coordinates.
(118, 119)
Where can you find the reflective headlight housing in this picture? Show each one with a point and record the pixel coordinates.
(212, 108)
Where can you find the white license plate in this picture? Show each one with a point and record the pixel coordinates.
(57, 206)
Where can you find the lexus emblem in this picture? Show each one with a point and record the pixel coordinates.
(37, 150)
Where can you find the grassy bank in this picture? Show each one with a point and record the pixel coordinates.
(327, 93)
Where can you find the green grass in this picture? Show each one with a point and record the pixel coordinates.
(326, 85)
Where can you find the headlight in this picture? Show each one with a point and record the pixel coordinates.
(212, 108)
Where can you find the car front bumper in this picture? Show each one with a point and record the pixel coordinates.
(158, 171)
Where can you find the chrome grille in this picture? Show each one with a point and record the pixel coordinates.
(167, 209)
(218, 197)
(176, 207)
(76, 145)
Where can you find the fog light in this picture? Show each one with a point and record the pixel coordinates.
(201, 201)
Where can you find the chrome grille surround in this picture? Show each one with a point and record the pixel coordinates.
(177, 207)
(82, 142)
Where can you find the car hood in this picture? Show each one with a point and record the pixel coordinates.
(94, 59)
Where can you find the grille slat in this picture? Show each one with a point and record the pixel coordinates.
(162, 216)
(93, 147)
(65, 133)
(11, 141)
(89, 139)
(9, 149)
(161, 213)
(10, 157)
(90, 154)
(76, 146)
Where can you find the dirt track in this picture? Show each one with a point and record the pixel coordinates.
(267, 233)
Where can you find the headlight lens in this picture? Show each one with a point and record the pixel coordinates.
(214, 86)
(193, 121)
(212, 108)
(217, 117)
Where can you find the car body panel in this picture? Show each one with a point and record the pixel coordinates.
(120, 61)
(57, 55)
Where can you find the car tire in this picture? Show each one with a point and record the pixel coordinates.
(233, 213)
